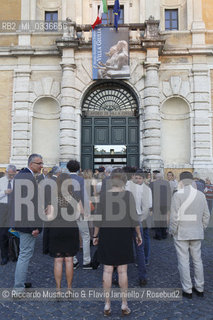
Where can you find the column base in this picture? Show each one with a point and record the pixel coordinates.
(153, 163)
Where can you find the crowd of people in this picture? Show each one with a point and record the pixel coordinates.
(114, 208)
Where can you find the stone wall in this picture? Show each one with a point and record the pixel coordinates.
(6, 93)
(10, 10)
(207, 13)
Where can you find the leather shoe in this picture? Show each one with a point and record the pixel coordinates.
(198, 293)
(187, 295)
(4, 261)
(142, 282)
(28, 285)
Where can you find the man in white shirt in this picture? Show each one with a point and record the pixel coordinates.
(6, 185)
(145, 196)
(173, 183)
(142, 210)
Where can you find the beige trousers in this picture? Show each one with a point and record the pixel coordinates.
(184, 248)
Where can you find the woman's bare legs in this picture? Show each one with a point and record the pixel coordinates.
(58, 268)
(123, 283)
(107, 283)
(69, 271)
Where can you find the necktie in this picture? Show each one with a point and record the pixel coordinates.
(9, 186)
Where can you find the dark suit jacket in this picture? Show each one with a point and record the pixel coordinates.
(161, 201)
(106, 185)
(25, 186)
(40, 177)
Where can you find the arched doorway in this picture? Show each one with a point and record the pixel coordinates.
(110, 127)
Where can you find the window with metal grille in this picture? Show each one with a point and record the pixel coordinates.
(110, 98)
(51, 20)
(108, 18)
(171, 19)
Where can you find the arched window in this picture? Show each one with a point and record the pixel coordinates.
(45, 130)
(110, 99)
(175, 132)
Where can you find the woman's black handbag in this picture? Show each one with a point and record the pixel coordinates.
(13, 247)
(95, 263)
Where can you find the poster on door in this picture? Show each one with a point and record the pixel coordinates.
(110, 53)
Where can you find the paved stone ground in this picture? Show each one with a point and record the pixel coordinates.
(162, 273)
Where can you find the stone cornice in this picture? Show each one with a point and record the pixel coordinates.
(67, 43)
(22, 72)
(153, 43)
(187, 51)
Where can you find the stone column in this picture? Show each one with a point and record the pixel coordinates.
(33, 10)
(23, 38)
(69, 141)
(68, 121)
(64, 10)
(189, 14)
(142, 10)
(152, 43)
(202, 126)
(198, 25)
(153, 9)
(151, 134)
(21, 117)
(79, 12)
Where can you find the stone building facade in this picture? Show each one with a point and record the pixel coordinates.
(46, 77)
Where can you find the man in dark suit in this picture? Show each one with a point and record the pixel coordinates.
(43, 175)
(161, 201)
(6, 185)
(79, 187)
(25, 215)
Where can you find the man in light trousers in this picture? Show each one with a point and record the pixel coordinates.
(28, 230)
(189, 217)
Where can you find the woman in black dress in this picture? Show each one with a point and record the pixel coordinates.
(114, 235)
(63, 239)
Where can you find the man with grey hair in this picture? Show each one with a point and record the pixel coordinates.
(28, 228)
(43, 175)
(55, 172)
(188, 220)
(6, 185)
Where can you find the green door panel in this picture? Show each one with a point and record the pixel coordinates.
(109, 131)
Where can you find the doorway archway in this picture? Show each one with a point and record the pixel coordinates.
(110, 126)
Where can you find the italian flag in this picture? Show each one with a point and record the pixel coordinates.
(102, 9)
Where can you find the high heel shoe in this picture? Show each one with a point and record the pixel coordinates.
(107, 310)
(125, 311)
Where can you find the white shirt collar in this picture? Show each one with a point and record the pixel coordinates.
(30, 171)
